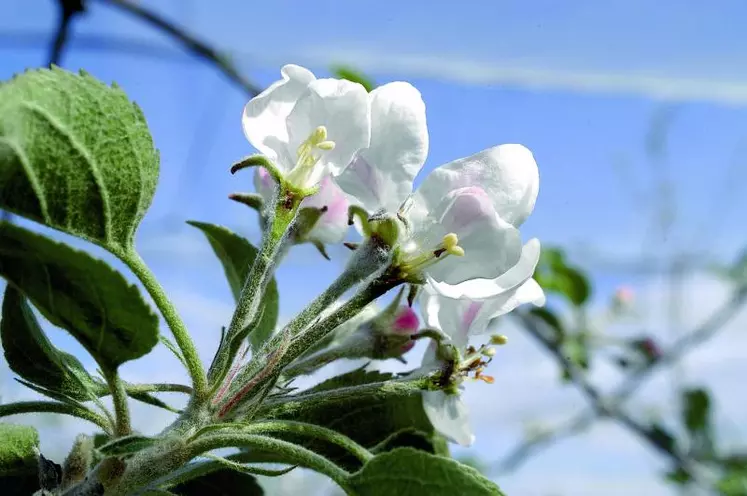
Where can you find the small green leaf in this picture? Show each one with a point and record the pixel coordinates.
(407, 471)
(18, 445)
(31, 355)
(553, 322)
(75, 155)
(347, 72)
(80, 294)
(224, 482)
(576, 350)
(696, 409)
(556, 276)
(355, 377)
(696, 415)
(127, 445)
(237, 255)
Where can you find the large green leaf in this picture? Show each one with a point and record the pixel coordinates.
(367, 419)
(237, 255)
(75, 155)
(557, 276)
(81, 294)
(30, 354)
(407, 471)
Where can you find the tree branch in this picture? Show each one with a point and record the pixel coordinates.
(611, 406)
(189, 41)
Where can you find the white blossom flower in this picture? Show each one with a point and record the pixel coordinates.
(470, 208)
(308, 126)
(460, 318)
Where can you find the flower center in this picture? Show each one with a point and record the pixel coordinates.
(474, 363)
(308, 154)
(417, 262)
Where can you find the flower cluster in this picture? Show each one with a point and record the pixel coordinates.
(456, 236)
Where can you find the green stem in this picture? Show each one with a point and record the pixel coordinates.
(174, 321)
(295, 339)
(54, 407)
(292, 452)
(119, 399)
(313, 431)
(247, 314)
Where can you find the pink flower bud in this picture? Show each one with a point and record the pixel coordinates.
(406, 322)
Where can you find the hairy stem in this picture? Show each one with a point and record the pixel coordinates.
(247, 313)
(174, 321)
(55, 407)
(119, 398)
(294, 453)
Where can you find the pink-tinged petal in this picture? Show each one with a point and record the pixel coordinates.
(507, 173)
(332, 226)
(264, 184)
(449, 416)
(481, 288)
(264, 117)
(447, 315)
(342, 107)
(381, 176)
(491, 245)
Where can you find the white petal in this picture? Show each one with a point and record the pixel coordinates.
(342, 107)
(481, 288)
(333, 224)
(264, 118)
(507, 173)
(449, 416)
(446, 314)
(381, 176)
(492, 246)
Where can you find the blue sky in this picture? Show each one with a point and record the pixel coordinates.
(579, 83)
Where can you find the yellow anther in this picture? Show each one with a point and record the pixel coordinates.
(451, 245)
(319, 135)
(450, 241)
(489, 352)
(498, 339)
(457, 251)
(326, 145)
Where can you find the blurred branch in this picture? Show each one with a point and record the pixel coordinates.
(68, 10)
(610, 407)
(190, 42)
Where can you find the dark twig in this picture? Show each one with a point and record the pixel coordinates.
(612, 405)
(189, 41)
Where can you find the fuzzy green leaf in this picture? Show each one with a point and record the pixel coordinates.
(237, 255)
(75, 155)
(18, 444)
(407, 471)
(31, 355)
(368, 420)
(80, 294)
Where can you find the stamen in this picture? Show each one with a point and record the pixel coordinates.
(449, 245)
(326, 145)
(498, 339)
